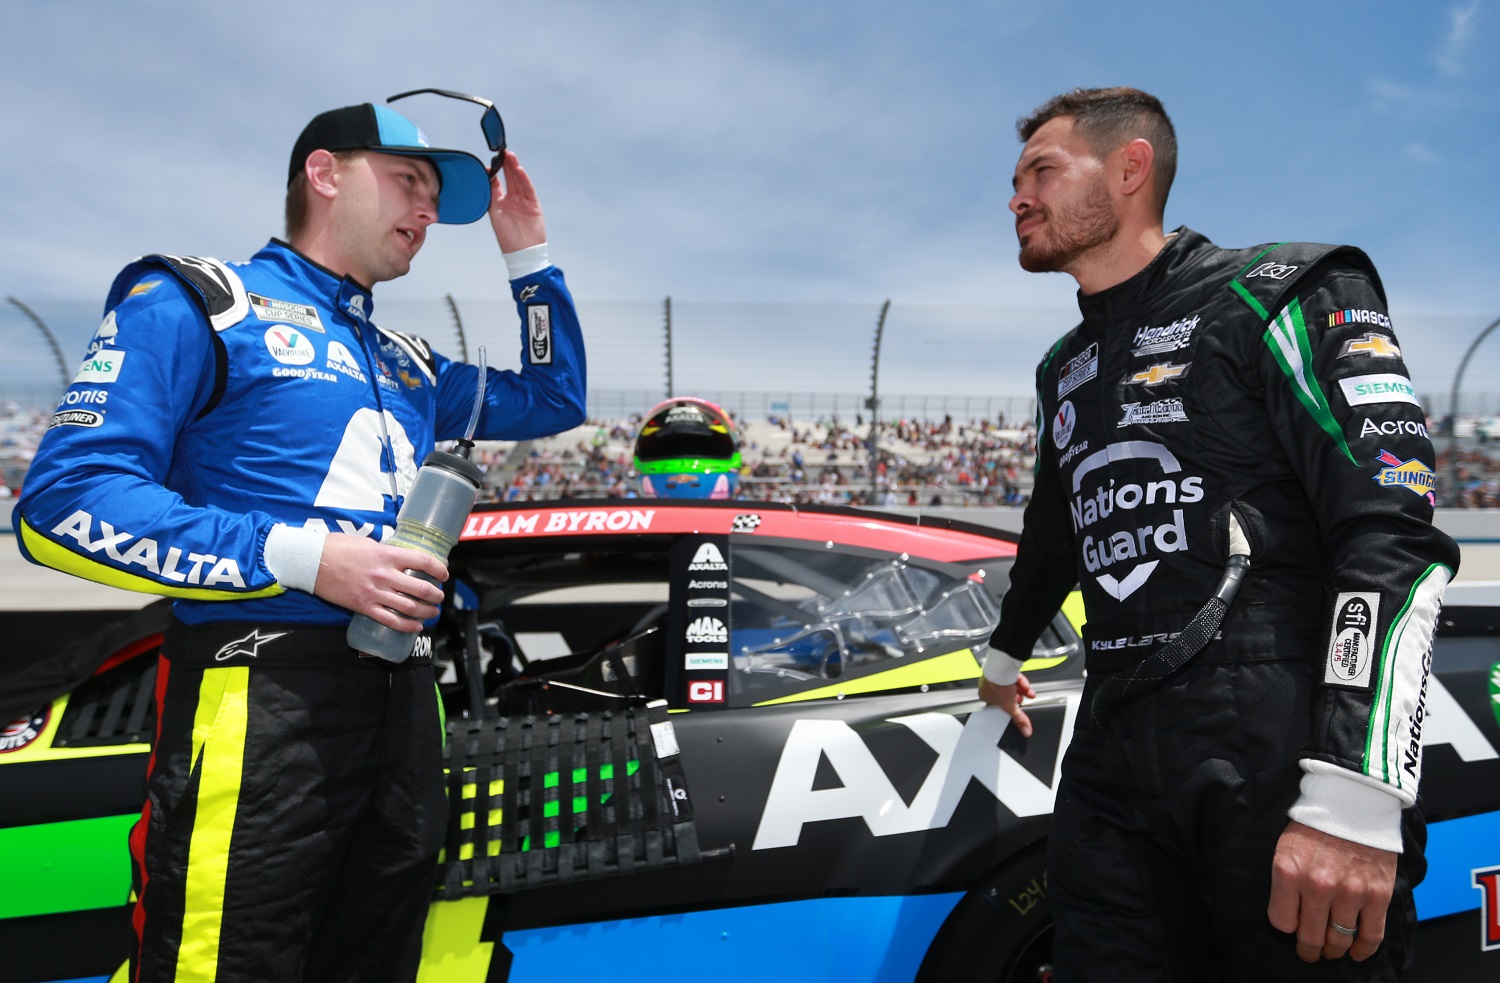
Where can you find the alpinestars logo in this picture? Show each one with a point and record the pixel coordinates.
(247, 646)
(708, 629)
(708, 557)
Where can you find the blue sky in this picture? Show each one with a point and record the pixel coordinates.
(834, 153)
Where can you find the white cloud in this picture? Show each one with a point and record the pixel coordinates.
(1452, 55)
(1420, 153)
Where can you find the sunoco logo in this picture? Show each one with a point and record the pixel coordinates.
(1349, 656)
(1412, 475)
(21, 732)
(707, 558)
(708, 629)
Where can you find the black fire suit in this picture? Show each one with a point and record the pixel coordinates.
(1266, 381)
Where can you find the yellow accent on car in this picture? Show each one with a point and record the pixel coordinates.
(50, 554)
(451, 949)
(1072, 608)
(41, 749)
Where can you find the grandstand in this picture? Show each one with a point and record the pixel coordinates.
(807, 441)
(821, 461)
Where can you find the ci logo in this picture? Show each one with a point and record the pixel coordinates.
(1488, 882)
(706, 691)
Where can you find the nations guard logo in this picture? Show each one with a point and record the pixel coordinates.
(23, 730)
(1488, 882)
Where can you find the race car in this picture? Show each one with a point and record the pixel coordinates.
(731, 739)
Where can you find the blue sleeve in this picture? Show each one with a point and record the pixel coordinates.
(548, 395)
(106, 497)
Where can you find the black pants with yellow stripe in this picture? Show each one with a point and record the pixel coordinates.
(294, 814)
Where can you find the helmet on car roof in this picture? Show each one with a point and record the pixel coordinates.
(688, 448)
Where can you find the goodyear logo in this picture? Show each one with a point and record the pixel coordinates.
(1412, 475)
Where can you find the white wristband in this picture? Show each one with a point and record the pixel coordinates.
(1001, 669)
(524, 262)
(292, 555)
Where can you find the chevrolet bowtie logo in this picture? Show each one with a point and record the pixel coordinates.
(249, 645)
(1159, 373)
(1372, 344)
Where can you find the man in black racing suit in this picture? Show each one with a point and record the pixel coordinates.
(1216, 402)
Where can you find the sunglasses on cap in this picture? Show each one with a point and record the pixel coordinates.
(491, 123)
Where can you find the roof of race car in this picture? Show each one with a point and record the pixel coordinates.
(929, 537)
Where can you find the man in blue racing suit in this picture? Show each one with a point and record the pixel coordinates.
(240, 437)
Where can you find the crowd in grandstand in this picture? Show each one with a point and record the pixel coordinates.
(823, 461)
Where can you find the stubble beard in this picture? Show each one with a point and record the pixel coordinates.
(1066, 236)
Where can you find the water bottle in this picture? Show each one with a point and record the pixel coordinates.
(430, 520)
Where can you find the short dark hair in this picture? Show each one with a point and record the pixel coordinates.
(1108, 118)
(297, 195)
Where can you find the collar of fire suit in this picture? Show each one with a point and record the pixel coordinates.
(340, 293)
(1144, 291)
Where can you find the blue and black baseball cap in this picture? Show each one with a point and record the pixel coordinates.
(464, 196)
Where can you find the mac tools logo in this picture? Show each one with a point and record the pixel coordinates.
(1119, 562)
(708, 629)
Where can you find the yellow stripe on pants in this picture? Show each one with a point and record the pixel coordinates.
(218, 756)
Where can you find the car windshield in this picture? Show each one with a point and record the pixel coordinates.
(810, 613)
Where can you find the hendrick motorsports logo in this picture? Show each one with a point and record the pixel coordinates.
(1168, 338)
(22, 731)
